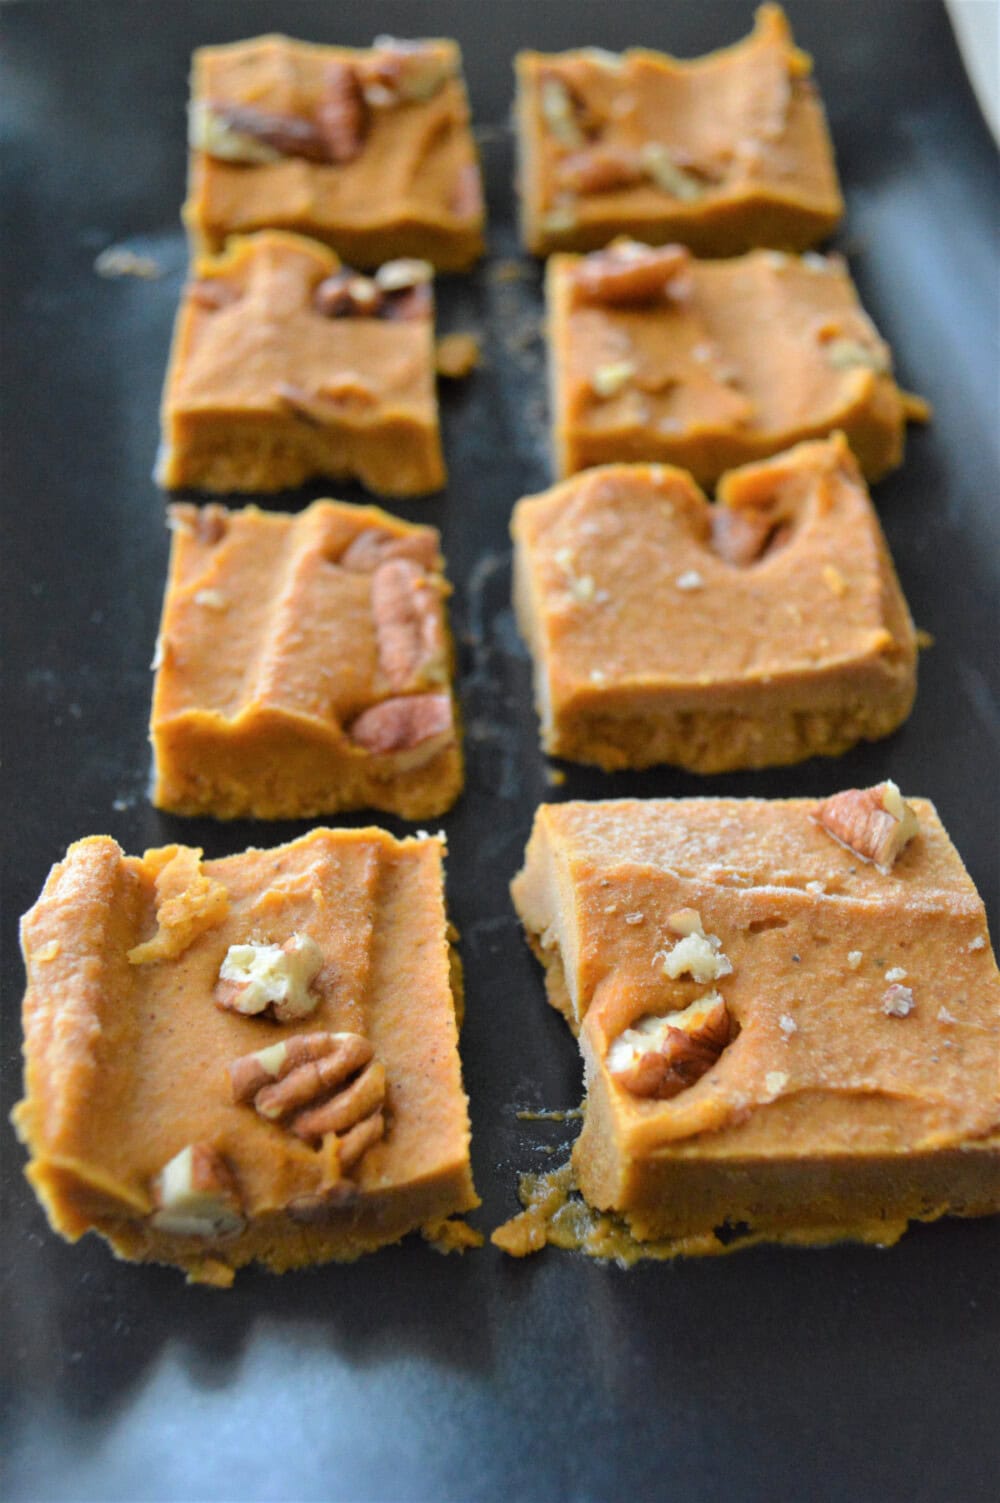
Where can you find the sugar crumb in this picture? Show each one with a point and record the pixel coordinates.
(854, 958)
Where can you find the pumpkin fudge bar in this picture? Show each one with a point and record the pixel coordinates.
(789, 1014)
(711, 364)
(247, 1059)
(767, 628)
(723, 153)
(303, 666)
(368, 150)
(287, 365)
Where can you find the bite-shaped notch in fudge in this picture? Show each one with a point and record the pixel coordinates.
(722, 153)
(759, 630)
(247, 1059)
(711, 364)
(304, 666)
(788, 1010)
(370, 151)
(286, 365)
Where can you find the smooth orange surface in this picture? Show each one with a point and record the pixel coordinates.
(405, 194)
(825, 1117)
(740, 366)
(366, 384)
(125, 1062)
(649, 646)
(744, 123)
(267, 652)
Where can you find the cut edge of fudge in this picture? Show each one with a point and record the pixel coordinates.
(669, 1161)
(268, 740)
(264, 1182)
(751, 540)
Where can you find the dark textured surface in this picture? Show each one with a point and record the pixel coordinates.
(843, 1374)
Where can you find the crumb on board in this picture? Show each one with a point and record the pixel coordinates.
(119, 261)
(457, 355)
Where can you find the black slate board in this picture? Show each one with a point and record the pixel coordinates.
(842, 1374)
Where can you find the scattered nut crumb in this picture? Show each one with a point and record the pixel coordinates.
(897, 1002)
(816, 887)
(456, 355)
(944, 1016)
(119, 261)
(608, 380)
(775, 1081)
(555, 777)
(978, 943)
(212, 600)
(582, 588)
(598, 676)
(895, 974)
(46, 952)
(788, 1025)
(834, 580)
(689, 580)
(924, 639)
(634, 918)
(854, 958)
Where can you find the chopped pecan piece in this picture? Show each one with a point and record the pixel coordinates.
(342, 115)
(662, 1056)
(628, 274)
(399, 725)
(196, 1195)
(406, 607)
(743, 536)
(213, 293)
(873, 823)
(258, 977)
(673, 172)
(403, 72)
(599, 169)
(897, 1001)
(241, 133)
(368, 550)
(565, 112)
(316, 1084)
(347, 295)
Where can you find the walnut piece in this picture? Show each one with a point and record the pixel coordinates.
(255, 977)
(873, 823)
(315, 1084)
(410, 723)
(662, 1056)
(628, 274)
(196, 1195)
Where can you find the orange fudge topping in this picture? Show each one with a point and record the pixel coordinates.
(368, 150)
(789, 1013)
(712, 364)
(285, 365)
(761, 630)
(723, 153)
(304, 666)
(252, 1058)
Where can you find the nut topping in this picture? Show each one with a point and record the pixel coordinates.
(255, 977)
(564, 112)
(628, 274)
(897, 1001)
(403, 72)
(850, 354)
(599, 169)
(321, 1083)
(398, 276)
(873, 823)
(661, 1056)
(696, 954)
(345, 294)
(667, 172)
(372, 548)
(400, 725)
(342, 116)
(406, 609)
(241, 133)
(196, 1195)
(400, 290)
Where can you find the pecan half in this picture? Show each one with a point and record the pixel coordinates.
(342, 114)
(743, 536)
(316, 1084)
(241, 133)
(370, 549)
(409, 634)
(398, 725)
(599, 169)
(661, 1056)
(628, 274)
(196, 1195)
(873, 823)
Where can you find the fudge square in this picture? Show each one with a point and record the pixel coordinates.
(286, 365)
(789, 1013)
(247, 1059)
(761, 630)
(303, 666)
(369, 151)
(723, 153)
(711, 364)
